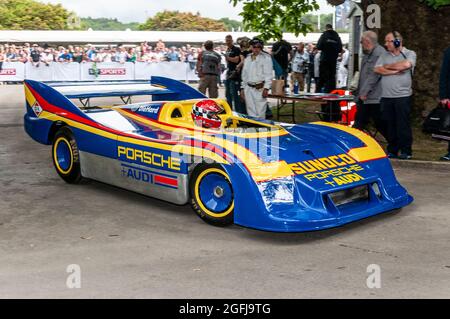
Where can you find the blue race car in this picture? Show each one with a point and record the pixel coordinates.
(254, 173)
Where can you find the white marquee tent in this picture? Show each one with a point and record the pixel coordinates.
(129, 37)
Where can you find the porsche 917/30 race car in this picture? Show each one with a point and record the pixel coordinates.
(254, 173)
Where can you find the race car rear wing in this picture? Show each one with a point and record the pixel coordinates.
(159, 88)
(41, 95)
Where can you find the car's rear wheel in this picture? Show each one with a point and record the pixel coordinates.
(66, 158)
(212, 196)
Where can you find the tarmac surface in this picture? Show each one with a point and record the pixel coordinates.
(132, 246)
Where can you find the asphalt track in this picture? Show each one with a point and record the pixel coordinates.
(131, 246)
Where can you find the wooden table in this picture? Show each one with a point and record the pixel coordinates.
(323, 98)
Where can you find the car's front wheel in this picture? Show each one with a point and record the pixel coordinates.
(212, 196)
(66, 158)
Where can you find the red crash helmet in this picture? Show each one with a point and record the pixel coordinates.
(205, 113)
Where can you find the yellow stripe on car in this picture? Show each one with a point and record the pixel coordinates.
(371, 151)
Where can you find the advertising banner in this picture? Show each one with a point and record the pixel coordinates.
(91, 71)
(12, 71)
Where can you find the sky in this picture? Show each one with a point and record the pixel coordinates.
(140, 10)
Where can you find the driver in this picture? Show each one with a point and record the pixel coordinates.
(205, 113)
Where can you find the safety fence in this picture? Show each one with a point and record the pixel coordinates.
(89, 71)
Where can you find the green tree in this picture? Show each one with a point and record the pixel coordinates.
(231, 24)
(106, 24)
(32, 15)
(311, 19)
(437, 3)
(181, 21)
(271, 18)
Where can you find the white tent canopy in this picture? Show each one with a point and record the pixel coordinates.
(107, 37)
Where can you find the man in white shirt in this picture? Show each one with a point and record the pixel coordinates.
(257, 75)
(342, 72)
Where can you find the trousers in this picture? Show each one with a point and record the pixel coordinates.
(210, 82)
(396, 114)
(255, 103)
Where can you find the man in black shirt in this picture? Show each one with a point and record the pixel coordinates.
(330, 45)
(232, 82)
(35, 55)
(444, 89)
(282, 53)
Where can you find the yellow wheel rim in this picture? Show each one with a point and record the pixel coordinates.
(56, 155)
(197, 193)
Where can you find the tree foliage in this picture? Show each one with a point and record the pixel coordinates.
(181, 21)
(106, 24)
(231, 24)
(436, 3)
(32, 15)
(271, 18)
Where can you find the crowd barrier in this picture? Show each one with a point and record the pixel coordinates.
(89, 71)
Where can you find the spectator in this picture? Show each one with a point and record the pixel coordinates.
(299, 66)
(232, 81)
(71, 50)
(131, 55)
(342, 71)
(121, 55)
(27, 48)
(396, 68)
(77, 55)
(23, 56)
(444, 89)
(282, 53)
(256, 79)
(91, 52)
(47, 57)
(160, 46)
(65, 56)
(173, 55)
(159, 55)
(2, 56)
(35, 55)
(369, 85)
(317, 55)
(331, 45)
(208, 69)
(310, 74)
(11, 54)
(191, 58)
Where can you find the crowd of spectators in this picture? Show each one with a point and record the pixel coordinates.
(44, 54)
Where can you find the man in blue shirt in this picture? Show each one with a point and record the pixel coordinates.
(173, 55)
(65, 57)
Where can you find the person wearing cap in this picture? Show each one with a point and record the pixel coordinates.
(257, 75)
(35, 55)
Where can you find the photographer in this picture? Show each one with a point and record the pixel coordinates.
(232, 82)
(299, 66)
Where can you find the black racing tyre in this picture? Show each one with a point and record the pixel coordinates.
(212, 196)
(66, 157)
